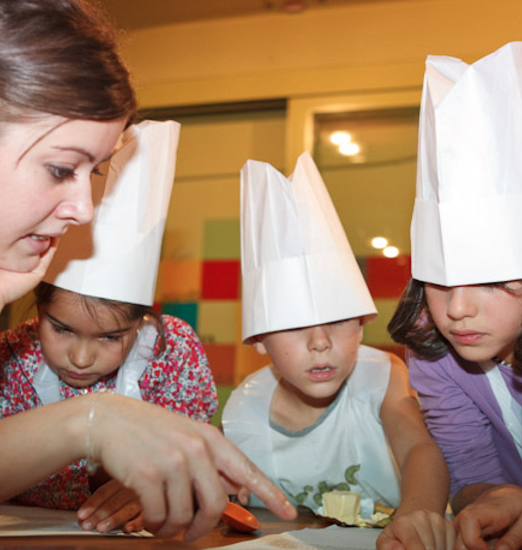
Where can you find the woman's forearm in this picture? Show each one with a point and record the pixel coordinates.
(36, 443)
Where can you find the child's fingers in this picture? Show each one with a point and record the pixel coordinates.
(418, 530)
(243, 496)
(129, 516)
(134, 525)
(111, 506)
(100, 496)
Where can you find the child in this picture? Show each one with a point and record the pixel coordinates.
(461, 315)
(324, 415)
(96, 329)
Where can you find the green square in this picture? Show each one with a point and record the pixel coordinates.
(188, 311)
(223, 395)
(221, 239)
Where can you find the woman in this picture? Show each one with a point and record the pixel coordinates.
(65, 97)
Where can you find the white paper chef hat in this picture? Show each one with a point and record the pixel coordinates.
(298, 269)
(467, 219)
(117, 256)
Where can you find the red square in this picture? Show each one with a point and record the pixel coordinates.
(387, 277)
(222, 360)
(220, 280)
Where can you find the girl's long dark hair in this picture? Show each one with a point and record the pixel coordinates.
(412, 326)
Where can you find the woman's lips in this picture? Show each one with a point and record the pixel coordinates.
(39, 244)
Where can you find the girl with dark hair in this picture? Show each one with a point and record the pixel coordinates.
(461, 314)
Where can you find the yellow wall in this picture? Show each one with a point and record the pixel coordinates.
(365, 46)
(365, 56)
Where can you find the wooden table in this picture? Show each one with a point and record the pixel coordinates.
(219, 536)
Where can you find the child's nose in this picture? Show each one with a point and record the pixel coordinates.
(461, 302)
(319, 339)
(81, 355)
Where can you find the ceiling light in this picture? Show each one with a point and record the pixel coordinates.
(349, 149)
(338, 138)
(391, 251)
(379, 242)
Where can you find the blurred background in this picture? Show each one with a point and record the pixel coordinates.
(268, 79)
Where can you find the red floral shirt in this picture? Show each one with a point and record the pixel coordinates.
(178, 379)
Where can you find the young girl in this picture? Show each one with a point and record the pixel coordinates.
(87, 342)
(328, 414)
(461, 314)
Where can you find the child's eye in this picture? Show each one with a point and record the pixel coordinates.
(97, 172)
(60, 330)
(61, 173)
(112, 338)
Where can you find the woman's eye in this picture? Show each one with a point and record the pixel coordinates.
(97, 172)
(61, 173)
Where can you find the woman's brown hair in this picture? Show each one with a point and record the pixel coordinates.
(60, 57)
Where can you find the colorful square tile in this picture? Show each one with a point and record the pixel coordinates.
(222, 359)
(179, 281)
(375, 332)
(217, 322)
(186, 311)
(220, 280)
(221, 239)
(387, 277)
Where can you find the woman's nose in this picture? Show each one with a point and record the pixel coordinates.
(77, 207)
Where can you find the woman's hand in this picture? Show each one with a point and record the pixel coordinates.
(181, 470)
(111, 506)
(417, 531)
(14, 284)
(495, 517)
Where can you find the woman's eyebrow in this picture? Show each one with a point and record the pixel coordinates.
(80, 150)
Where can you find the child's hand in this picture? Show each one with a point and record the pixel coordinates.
(496, 514)
(243, 495)
(111, 506)
(416, 531)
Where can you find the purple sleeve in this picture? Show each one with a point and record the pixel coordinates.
(455, 421)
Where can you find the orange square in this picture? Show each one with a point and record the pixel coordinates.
(179, 281)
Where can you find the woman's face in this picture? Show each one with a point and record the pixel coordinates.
(45, 168)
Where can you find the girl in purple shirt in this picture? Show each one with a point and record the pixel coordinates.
(461, 314)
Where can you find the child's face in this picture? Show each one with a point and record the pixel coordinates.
(479, 321)
(79, 349)
(314, 361)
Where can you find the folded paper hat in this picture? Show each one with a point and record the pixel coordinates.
(467, 223)
(298, 269)
(117, 256)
